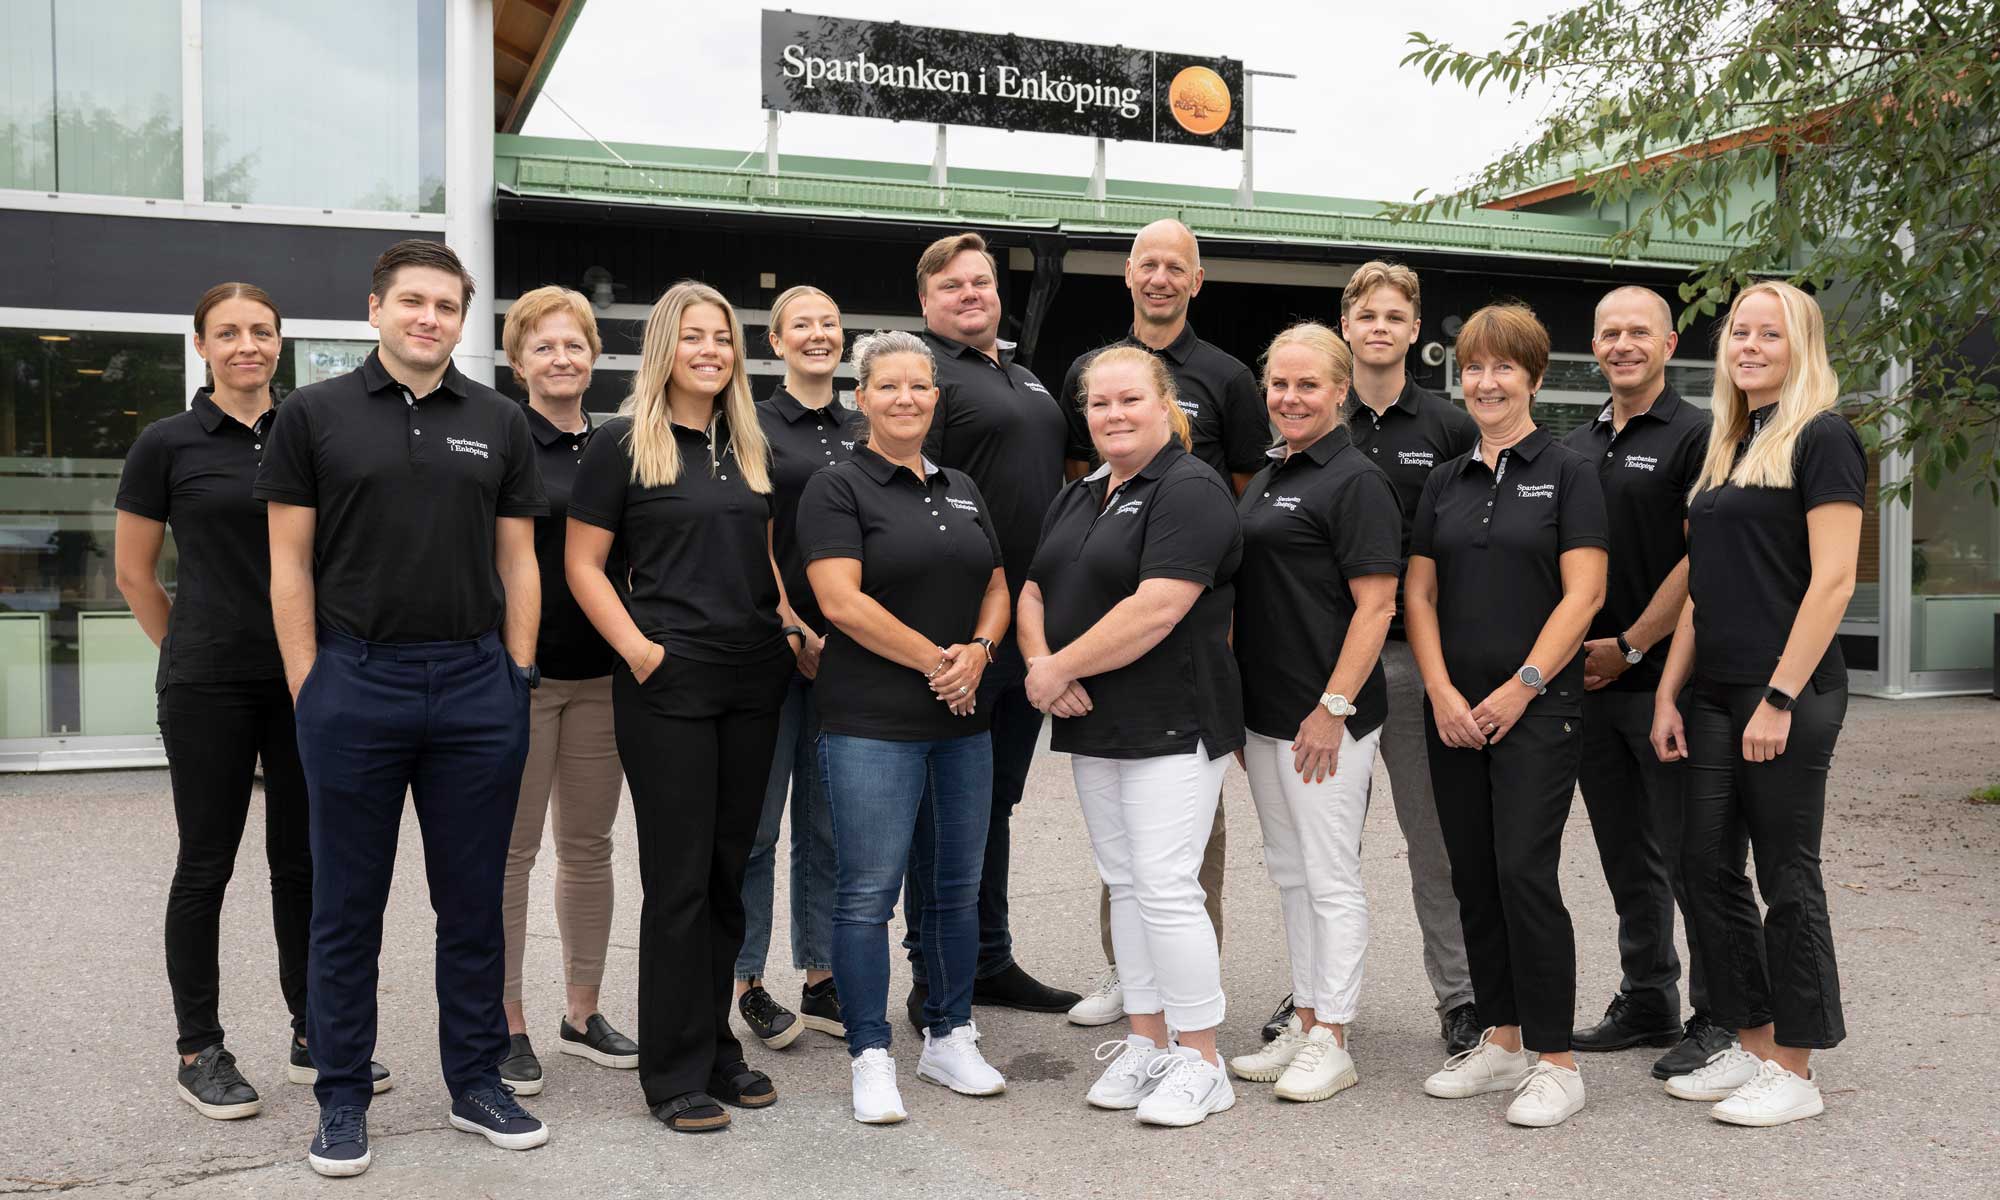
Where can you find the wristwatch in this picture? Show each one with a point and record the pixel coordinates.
(1780, 699)
(1632, 654)
(530, 675)
(1336, 704)
(985, 644)
(1533, 678)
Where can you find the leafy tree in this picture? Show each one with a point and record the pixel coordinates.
(1851, 146)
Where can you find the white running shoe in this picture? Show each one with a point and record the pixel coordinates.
(1270, 1060)
(1484, 1068)
(1727, 1069)
(876, 1098)
(1189, 1090)
(954, 1061)
(1774, 1097)
(1549, 1096)
(1320, 1068)
(1105, 1003)
(1128, 1079)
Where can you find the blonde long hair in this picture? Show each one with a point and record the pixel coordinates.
(1156, 371)
(1809, 389)
(656, 458)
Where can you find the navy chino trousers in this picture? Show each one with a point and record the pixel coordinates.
(448, 723)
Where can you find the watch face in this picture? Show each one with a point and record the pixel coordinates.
(1633, 656)
(1531, 677)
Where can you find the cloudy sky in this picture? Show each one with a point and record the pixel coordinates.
(671, 73)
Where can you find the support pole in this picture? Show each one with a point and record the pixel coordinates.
(1097, 174)
(468, 172)
(771, 142)
(1246, 191)
(938, 173)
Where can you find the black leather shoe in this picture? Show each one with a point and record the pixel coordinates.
(1281, 1016)
(1626, 1024)
(775, 1025)
(1015, 988)
(1702, 1040)
(598, 1042)
(919, 993)
(521, 1070)
(215, 1088)
(1460, 1028)
(819, 1008)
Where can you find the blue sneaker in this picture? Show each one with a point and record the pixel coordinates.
(341, 1145)
(491, 1112)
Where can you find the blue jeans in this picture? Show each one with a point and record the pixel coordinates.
(794, 771)
(897, 806)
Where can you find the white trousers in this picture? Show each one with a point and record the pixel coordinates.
(1312, 848)
(1149, 820)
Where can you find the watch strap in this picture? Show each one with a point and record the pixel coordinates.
(1780, 699)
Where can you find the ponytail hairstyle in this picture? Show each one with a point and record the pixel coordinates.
(656, 458)
(1156, 372)
(1809, 389)
(234, 291)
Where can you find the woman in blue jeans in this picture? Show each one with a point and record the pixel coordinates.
(906, 567)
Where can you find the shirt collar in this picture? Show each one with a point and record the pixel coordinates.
(1180, 349)
(1321, 451)
(376, 378)
(880, 469)
(545, 430)
(211, 416)
(788, 406)
(1526, 449)
(1662, 409)
(1407, 400)
(958, 349)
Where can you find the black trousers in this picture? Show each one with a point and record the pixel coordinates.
(445, 723)
(1502, 810)
(1636, 805)
(696, 740)
(1780, 969)
(1017, 728)
(214, 734)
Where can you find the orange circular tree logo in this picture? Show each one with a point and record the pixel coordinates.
(1200, 100)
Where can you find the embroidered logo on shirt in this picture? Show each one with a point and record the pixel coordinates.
(846, 445)
(1029, 383)
(1288, 503)
(467, 446)
(1130, 506)
(1190, 407)
(962, 505)
(1535, 491)
(1416, 458)
(1641, 462)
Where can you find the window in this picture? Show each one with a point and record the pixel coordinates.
(324, 106)
(90, 97)
(1574, 389)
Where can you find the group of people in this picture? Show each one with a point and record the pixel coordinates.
(399, 581)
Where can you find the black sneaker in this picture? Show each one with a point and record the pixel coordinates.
(340, 1147)
(774, 1024)
(1015, 988)
(492, 1113)
(521, 1070)
(920, 994)
(1281, 1016)
(299, 1069)
(1626, 1024)
(1701, 1040)
(819, 1008)
(599, 1043)
(216, 1089)
(1460, 1028)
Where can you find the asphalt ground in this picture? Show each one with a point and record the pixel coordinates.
(87, 1103)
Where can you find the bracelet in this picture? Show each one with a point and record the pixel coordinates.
(985, 644)
(794, 631)
(942, 663)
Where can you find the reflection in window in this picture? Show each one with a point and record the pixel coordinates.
(71, 404)
(90, 97)
(324, 106)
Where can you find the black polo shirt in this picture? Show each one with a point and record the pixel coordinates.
(802, 441)
(1420, 432)
(998, 424)
(1647, 470)
(1498, 537)
(567, 646)
(1175, 519)
(1217, 392)
(408, 490)
(1750, 557)
(192, 471)
(1311, 522)
(927, 552)
(701, 570)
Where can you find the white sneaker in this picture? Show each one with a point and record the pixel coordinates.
(954, 1060)
(1103, 1005)
(1320, 1068)
(1727, 1070)
(876, 1099)
(1128, 1079)
(1484, 1068)
(1549, 1096)
(1270, 1060)
(1189, 1090)
(1774, 1097)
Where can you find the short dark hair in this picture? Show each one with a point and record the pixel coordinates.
(418, 252)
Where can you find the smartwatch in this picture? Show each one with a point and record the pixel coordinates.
(1632, 654)
(1533, 678)
(791, 631)
(985, 644)
(1780, 699)
(1336, 704)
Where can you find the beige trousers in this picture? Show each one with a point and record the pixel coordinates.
(1212, 861)
(572, 753)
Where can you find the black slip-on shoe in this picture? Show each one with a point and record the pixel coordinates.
(340, 1144)
(1701, 1040)
(213, 1086)
(775, 1025)
(299, 1068)
(1281, 1016)
(819, 1008)
(598, 1042)
(1626, 1024)
(737, 1083)
(521, 1070)
(691, 1112)
(1460, 1028)
(1015, 988)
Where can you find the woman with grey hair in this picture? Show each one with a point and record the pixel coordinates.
(903, 559)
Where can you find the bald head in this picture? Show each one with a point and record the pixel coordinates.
(1633, 294)
(1632, 339)
(1168, 234)
(1163, 275)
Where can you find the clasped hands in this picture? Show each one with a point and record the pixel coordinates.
(955, 679)
(1053, 690)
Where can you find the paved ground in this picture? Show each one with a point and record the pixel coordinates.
(88, 1106)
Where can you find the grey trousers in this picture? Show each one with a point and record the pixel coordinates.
(1404, 753)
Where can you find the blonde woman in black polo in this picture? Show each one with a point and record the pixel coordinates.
(681, 480)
